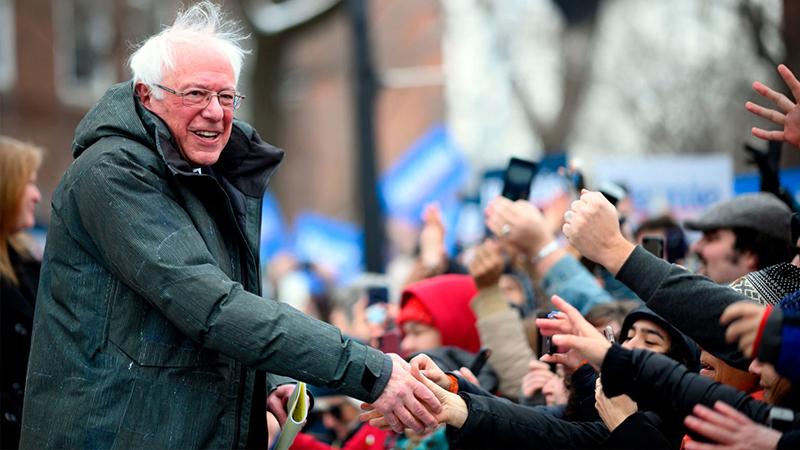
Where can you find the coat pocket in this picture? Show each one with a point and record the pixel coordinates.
(150, 339)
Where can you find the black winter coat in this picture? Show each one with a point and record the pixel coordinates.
(16, 314)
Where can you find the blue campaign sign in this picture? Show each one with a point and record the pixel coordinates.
(273, 228)
(433, 169)
(336, 245)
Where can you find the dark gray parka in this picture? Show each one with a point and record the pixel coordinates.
(149, 330)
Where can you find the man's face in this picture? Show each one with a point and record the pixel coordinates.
(201, 133)
(719, 260)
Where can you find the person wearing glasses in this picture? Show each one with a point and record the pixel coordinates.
(150, 330)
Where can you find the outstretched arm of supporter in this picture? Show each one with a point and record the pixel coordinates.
(728, 429)
(592, 227)
(641, 374)
(786, 114)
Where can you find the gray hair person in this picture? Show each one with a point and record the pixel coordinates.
(150, 330)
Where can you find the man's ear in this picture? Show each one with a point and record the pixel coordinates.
(750, 259)
(145, 95)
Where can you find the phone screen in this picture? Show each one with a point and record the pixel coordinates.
(518, 178)
(377, 294)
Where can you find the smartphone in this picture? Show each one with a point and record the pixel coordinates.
(480, 360)
(389, 341)
(545, 344)
(654, 245)
(377, 295)
(377, 298)
(518, 178)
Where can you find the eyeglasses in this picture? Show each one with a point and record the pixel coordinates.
(200, 98)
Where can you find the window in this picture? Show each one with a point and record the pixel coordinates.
(8, 54)
(84, 49)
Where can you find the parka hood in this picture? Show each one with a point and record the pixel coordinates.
(683, 348)
(247, 161)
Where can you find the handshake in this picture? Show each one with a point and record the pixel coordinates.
(421, 400)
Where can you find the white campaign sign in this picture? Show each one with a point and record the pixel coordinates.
(684, 185)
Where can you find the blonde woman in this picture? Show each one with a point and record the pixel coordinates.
(19, 277)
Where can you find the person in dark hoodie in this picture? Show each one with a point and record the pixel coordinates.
(150, 329)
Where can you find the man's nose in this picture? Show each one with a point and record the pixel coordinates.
(213, 111)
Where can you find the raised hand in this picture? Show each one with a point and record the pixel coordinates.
(583, 337)
(406, 402)
(487, 264)
(743, 320)
(787, 114)
(518, 223)
(432, 251)
(592, 226)
(728, 429)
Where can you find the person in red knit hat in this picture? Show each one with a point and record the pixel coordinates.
(435, 312)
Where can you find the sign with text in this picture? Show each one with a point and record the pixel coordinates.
(683, 185)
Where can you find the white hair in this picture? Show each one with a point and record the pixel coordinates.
(202, 21)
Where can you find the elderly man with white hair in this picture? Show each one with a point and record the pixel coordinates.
(150, 331)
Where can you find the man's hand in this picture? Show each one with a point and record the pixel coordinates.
(277, 400)
(787, 114)
(729, 429)
(453, 410)
(743, 320)
(406, 402)
(584, 337)
(518, 223)
(592, 226)
(614, 410)
(487, 264)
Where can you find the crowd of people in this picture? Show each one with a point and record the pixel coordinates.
(145, 325)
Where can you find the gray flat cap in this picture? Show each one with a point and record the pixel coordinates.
(762, 212)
